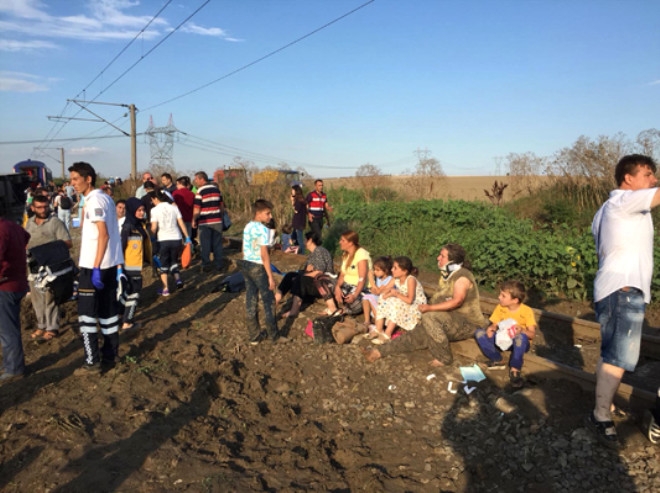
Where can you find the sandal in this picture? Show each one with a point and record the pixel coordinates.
(605, 431)
(382, 338)
(38, 334)
(49, 335)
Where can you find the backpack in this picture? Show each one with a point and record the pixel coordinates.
(232, 284)
(65, 203)
(322, 328)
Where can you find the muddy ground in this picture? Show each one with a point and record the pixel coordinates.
(192, 407)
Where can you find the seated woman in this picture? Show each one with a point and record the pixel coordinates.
(399, 305)
(302, 283)
(353, 279)
(453, 314)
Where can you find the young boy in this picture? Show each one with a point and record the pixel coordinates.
(258, 274)
(512, 295)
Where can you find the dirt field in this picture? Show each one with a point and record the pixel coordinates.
(447, 187)
(192, 407)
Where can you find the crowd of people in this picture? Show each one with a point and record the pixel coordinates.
(119, 239)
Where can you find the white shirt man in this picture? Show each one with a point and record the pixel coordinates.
(623, 232)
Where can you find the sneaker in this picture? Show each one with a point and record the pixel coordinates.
(86, 369)
(163, 292)
(179, 284)
(516, 379)
(257, 340)
(495, 365)
(651, 427)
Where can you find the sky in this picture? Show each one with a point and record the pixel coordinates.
(326, 85)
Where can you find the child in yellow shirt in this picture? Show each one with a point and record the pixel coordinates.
(512, 295)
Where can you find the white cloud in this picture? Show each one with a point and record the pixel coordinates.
(20, 84)
(15, 45)
(104, 20)
(80, 151)
(191, 27)
(654, 83)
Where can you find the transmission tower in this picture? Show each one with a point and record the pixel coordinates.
(161, 143)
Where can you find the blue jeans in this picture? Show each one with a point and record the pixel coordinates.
(210, 240)
(300, 238)
(65, 216)
(256, 283)
(518, 349)
(13, 359)
(621, 315)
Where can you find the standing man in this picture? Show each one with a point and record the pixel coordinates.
(45, 228)
(141, 192)
(13, 286)
(185, 201)
(100, 254)
(64, 204)
(207, 216)
(317, 208)
(623, 232)
(167, 182)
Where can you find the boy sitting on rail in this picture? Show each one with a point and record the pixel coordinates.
(512, 295)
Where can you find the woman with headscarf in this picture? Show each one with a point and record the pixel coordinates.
(452, 314)
(136, 245)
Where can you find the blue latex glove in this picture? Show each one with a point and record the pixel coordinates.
(120, 272)
(187, 242)
(96, 278)
(156, 260)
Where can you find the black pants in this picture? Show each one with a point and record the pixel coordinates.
(316, 225)
(99, 307)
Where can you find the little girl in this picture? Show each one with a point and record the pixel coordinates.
(397, 306)
(380, 280)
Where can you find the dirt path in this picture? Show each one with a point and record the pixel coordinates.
(192, 407)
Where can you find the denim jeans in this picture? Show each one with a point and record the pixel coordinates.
(621, 315)
(13, 359)
(518, 349)
(300, 238)
(210, 240)
(65, 216)
(256, 283)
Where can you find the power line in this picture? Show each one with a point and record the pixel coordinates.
(133, 65)
(70, 139)
(272, 53)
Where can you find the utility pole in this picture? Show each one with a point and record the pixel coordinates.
(62, 162)
(131, 108)
(133, 135)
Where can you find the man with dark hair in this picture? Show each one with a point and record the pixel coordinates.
(185, 201)
(167, 182)
(100, 254)
(207, 216)
(623, 232)
(45, 228)
(13, 286)
(317, 208)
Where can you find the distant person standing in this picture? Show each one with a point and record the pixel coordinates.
(317, 208)
(45, 228)
(141, 192)
(64, 204)
(299, 220)
(207, 217)
(100, 254)
(167, 183)
(13, 286)
(185, 201)
(623, 232)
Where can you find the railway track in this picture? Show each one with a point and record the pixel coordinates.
(570, 331)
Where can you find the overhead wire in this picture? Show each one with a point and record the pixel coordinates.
(134, 64)
(268, 55)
